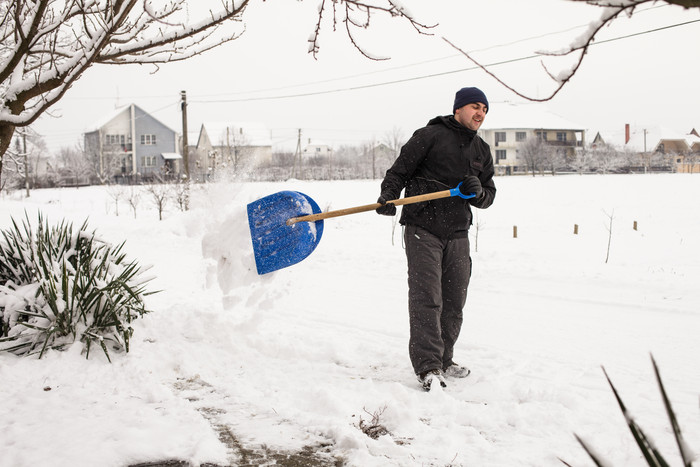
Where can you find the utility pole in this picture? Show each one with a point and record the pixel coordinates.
(26, 161)
(185, 155)
(647, 162)
(330, 168)
(297, 155)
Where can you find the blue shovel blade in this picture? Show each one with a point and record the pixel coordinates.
(277, 245)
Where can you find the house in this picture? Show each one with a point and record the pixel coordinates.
(232, 147)
(663, 149)
(316, 149)
(131, 145)
(598, 141)
(684, 149)
(675, 143)
(508, 129)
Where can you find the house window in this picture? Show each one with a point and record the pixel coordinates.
(500, 137)
(520, 136)
(113, 139)
(148, 140)
(500, 155)
(541, 135)
(148, 161)
(561, 136)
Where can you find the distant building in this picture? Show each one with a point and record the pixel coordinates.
(509, 128)
(598, 141)
(316, 149)
(684, 149)
(131, 145)
(661, 149)
(231, 147)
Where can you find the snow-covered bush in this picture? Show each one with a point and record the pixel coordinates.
(58, 286)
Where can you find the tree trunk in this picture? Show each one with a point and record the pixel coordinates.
(6, 132)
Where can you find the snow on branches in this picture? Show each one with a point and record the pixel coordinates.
(355, 15)
(580, 45)
(47, 45)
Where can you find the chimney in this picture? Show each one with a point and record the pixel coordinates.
(627, 133)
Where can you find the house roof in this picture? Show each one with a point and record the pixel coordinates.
(105, 119)
(253, 133)
(527, 116)
(170, 155)
(647, 138)
(118, 111)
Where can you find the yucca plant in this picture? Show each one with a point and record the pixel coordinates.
(58, 285)
(651, 454)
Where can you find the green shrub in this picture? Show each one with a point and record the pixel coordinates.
(58, 285)
(651, 454)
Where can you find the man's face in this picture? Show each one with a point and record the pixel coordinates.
(471, 115)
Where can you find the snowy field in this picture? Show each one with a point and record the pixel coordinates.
(301, 357)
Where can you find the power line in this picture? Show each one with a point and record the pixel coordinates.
(424, 62)
(432, 75)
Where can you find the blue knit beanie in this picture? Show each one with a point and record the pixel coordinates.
(469, 95)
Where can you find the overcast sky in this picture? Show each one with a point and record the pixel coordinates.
(647, 80)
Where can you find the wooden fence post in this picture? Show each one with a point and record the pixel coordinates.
(515, 231)
(575, 229)
(634, 226)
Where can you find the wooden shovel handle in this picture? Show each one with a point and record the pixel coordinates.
(369, 207)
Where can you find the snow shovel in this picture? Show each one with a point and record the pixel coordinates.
(287, 226)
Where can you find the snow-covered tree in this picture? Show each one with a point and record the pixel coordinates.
(159, 191)
(535, 153)
(554, 160)
(26, 161)
(394, 141)
(46, 45)
(72, 167)
(606, 159)
(581, 161)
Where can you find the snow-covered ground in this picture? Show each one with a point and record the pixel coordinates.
(302, 356)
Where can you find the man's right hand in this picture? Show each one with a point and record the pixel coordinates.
(386, 209)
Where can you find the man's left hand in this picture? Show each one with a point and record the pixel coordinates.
(471, 184)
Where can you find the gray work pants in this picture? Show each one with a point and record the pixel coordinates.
(438, 277)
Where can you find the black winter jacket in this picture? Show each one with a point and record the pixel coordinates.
(437, 157)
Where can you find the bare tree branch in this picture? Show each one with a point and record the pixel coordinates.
(47, 45)
(366, 9)
(611, 10)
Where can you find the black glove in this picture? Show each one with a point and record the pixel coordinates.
(386, 209)
(471, 184)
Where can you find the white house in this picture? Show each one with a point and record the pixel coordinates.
(316, 148)
(230, 146)
(511, 125)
